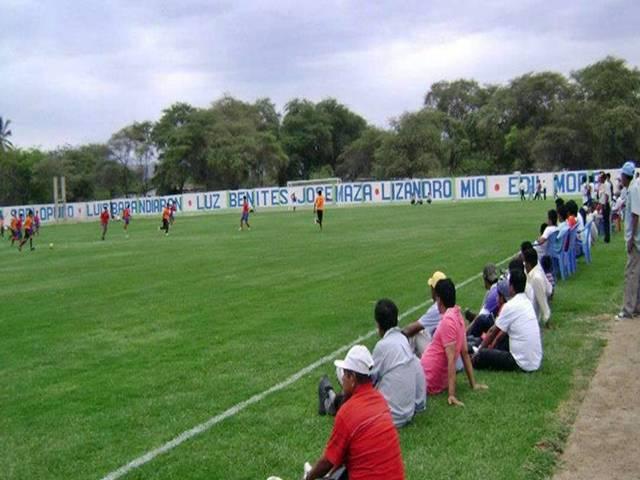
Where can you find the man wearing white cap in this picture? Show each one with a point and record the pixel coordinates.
(631, 305)
(364, 439)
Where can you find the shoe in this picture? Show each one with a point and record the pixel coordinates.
(623, 316)
(166, 234)
(323, 394)
(33, 248)
(468, 315)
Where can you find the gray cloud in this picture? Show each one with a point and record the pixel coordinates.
(74, 72)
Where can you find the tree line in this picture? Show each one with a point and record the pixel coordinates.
(536, 122)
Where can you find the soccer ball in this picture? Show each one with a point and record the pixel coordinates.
(50, 246)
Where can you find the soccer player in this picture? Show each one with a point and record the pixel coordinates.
(1, 225)
(166, 218)
(294, 200)
(244, 219)
(28, 231)
(12, 227)
(17, 229)
(104, 221)
(126, 217)
(36, 224)
(172, 208)
(318, 208)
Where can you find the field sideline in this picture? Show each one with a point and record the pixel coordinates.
(112, 348)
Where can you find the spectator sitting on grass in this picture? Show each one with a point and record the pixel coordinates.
(514, 342)
(420, 332)
(540, 285)
(480, 323)
(518, 264)
(449, 342)
(364, 440)
(396, 374)
(550, 227)
(547, 266)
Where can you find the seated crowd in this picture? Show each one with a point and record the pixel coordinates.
(383, 390)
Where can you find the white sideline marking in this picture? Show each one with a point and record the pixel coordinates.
(238, 407)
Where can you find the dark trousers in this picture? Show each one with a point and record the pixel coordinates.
(522, 195)
(606, 217)
(498, 358)
(480, 325)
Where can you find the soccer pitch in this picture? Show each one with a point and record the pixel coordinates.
(111, 349)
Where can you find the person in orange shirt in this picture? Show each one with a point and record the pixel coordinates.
(318, 208)
(28, 231)
(16, 228)
(166, 217)
(126, 218)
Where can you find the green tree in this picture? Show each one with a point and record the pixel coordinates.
(306, 138)
(414, 148)
(457, 99)
(609, 82)
(357, 159)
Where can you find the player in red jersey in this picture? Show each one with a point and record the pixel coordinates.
(104, 221)
(244, 219)
(126, 218)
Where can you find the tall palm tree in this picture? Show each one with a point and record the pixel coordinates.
(5, 133)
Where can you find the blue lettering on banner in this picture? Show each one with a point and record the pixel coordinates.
(473, 188)
(284, 196)
(569, 182)
(207, 201)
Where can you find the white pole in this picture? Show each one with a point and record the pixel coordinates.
(55, 199)
(63, 195)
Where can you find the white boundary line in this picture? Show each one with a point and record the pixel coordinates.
(238, 407)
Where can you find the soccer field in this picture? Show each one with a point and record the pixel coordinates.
(110, 349)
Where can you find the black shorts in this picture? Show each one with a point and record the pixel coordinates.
(165, 223)
(319, 215)
(27, 234)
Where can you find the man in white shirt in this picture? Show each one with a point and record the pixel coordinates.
(631, 305)
(605, 197)
(552, 226)
(514, 342)
(523, 187)
(541, 286)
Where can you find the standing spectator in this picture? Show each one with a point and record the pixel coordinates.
(538, 190)
(544, 189)
(449, 343)
(523, 186)
(363, 439)
(605, 198)
(631, 305)
(555, 187)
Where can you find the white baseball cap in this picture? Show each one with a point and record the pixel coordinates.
(358, 360)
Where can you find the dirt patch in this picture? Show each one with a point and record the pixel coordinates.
(605, 442)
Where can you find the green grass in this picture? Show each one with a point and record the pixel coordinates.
(109, 349)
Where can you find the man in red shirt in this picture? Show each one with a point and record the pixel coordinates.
(364, 440)
(104, 221)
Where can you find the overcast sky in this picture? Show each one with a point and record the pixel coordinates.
(77, 71)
